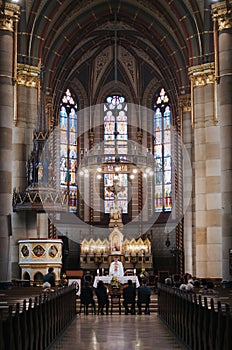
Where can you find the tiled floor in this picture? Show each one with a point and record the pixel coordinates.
(117, 332)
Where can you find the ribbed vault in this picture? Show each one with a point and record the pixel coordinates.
(161, 38)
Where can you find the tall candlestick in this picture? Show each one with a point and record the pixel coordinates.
(135, 272)
(98, 272)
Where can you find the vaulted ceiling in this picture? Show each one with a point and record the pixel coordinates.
(76, 42)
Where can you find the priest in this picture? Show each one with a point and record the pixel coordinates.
(116, 268)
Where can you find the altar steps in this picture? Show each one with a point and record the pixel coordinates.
(115, 311)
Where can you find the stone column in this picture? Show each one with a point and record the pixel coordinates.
(27, 80)
(8, 18)
(189, 246)
(207, 172)
(25, 122)
(222, 16)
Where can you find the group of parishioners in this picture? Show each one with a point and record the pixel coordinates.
(87, 297)
(129, 298)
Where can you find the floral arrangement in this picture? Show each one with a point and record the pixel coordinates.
(115, 282)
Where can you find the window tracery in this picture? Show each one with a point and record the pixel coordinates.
(162, 152)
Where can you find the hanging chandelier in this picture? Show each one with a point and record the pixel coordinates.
(137, 159)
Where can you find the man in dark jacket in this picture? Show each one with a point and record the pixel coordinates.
(144, 294)
(129, 295)
(87, 297)
(49, 277)
(102, 297)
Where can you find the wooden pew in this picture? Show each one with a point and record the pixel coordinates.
(29, 324)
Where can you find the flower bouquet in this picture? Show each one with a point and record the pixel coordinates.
(115, 282)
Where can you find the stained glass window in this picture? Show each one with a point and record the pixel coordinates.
(115, 145)
(68, 148)
(162, 152)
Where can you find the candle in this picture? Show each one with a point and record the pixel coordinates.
(102, 272)
(98, 272)
(134, 271)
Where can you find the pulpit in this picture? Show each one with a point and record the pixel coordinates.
(37, 255)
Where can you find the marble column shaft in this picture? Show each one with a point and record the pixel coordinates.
(224, 25)
(7, 18)
(189, 237)
(207, 166)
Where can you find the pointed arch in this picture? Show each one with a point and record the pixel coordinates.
(162, 152)
(68, 148)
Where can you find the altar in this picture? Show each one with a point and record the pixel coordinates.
(122, 280)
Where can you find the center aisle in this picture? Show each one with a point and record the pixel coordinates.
(116, 332)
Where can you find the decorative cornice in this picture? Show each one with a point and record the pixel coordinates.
(39, 199)
(28, 75)
(9, 14)
(222, 13)
(185, 102)
(203, 74)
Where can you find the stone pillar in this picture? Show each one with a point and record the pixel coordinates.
(207, 172)
(8, 19)
(25, 123)
(222, 16)
(27, 80)
(189, 238)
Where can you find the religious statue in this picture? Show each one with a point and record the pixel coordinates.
(115, 211)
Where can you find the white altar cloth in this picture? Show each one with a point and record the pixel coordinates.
(122, 280)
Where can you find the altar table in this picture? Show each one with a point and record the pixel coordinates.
(122, 280)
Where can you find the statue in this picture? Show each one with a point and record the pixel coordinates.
(115, 211)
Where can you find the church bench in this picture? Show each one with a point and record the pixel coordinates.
(200, 325)
(34, 324)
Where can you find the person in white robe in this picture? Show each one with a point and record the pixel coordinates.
(116, 268)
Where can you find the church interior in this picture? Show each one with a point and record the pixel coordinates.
(115, 174)
(115, 132)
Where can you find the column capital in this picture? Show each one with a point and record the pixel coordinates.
(222, 13)
(28, 75)
(203, 74)
(9, 13)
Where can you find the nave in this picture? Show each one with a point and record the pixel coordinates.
(114, 332)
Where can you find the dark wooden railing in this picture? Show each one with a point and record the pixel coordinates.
(35, 323)
(200, 325)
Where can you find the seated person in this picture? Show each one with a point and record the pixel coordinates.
(129, 294)
(144, 294)
(102, 298)
(116, 267)
(49, 277)
(87, 297)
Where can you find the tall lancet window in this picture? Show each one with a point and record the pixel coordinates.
(115, 150)
(68, 148)
(162, 152)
